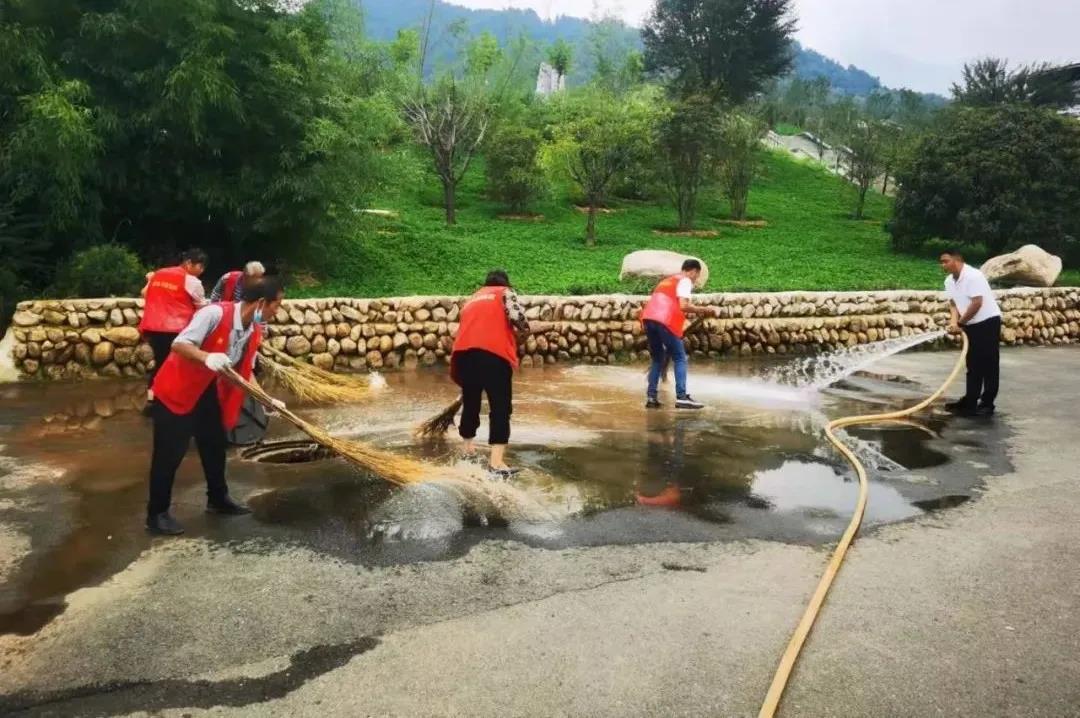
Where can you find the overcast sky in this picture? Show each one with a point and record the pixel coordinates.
(920, 44)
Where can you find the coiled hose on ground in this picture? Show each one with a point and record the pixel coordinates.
(806, 623)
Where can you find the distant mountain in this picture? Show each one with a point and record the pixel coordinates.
(383, 19)
(810, 64)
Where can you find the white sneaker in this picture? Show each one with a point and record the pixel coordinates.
(685, 402)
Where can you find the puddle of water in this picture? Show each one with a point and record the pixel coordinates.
(603, 469)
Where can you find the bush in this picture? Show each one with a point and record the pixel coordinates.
(106, 270)
(999, 177)
(514, 175)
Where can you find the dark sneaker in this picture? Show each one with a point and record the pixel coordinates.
(686, 402)
(226, 507)
(503, 474)
(984, 410)
(163, 525)
(652, 403)
(960, 408)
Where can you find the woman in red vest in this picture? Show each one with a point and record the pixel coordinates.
(172, 295)
(192, 401)
(483, 362)
(664, 317)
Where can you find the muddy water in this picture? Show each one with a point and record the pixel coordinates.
(74, 462)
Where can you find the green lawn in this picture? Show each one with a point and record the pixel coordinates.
(783, 128)
(809, 243)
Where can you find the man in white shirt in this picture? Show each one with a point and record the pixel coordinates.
(973, 310)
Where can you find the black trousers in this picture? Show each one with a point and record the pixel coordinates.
(983, 362)
(161, 344)
(172, 434)
(482, 372)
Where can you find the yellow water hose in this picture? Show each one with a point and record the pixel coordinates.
(791, 654)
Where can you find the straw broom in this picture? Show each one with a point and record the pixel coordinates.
(328, 377)
(308, 382)
(396, 469)
(439, 424)
(490, 499)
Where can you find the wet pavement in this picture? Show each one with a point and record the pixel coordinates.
(754, 464)
(680, 552)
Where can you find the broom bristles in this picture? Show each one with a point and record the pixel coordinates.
(391, 467)
(439, 424)
(306, 387)
(314, 372)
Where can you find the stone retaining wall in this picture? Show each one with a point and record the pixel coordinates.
(68, 339)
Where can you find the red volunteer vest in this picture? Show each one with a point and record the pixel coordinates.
(484, 326)
(228, 293)
(180, 382)
(663, 306)
(168, 307)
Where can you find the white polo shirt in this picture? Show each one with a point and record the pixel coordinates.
(972, 284)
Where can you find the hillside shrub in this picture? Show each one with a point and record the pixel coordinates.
(105, 270)
(1000, 177)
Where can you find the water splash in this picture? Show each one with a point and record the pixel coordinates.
(818, 372)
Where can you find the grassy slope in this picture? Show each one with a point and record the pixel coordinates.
(809, 243)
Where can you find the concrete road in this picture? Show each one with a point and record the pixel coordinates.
(971, 611)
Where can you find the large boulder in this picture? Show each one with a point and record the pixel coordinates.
(1030, 265)
(658, 263)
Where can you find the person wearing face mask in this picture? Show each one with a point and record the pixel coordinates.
(194, 401)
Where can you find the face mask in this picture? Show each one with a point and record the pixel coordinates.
(258, 318)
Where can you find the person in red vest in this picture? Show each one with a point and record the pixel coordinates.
(231, 285)
(172, 295)
(483, 361)
(193, 401)
(664, 317)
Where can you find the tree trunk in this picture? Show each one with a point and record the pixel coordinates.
(686, 206)
(590, 226)
(862, 201)
(738, 206)
(448, 201)
(885, 183)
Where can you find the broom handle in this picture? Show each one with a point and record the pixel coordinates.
(263, 398)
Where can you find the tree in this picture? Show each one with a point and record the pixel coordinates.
(740, 157)
(450, 120)
(687, 137)
(993, 179)
(450, 117)
(865, 153)
(482, 54)
(727, 49)
(895, 145)
(559, 56)
(989, 81)
(514, 174)
(617, 65)
(162, 124)
(596, 136)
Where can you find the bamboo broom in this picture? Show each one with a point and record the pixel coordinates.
(439, 424)
(396, 469)
(310, 383)
(328, 377)
(489, 499)
(307, 387)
